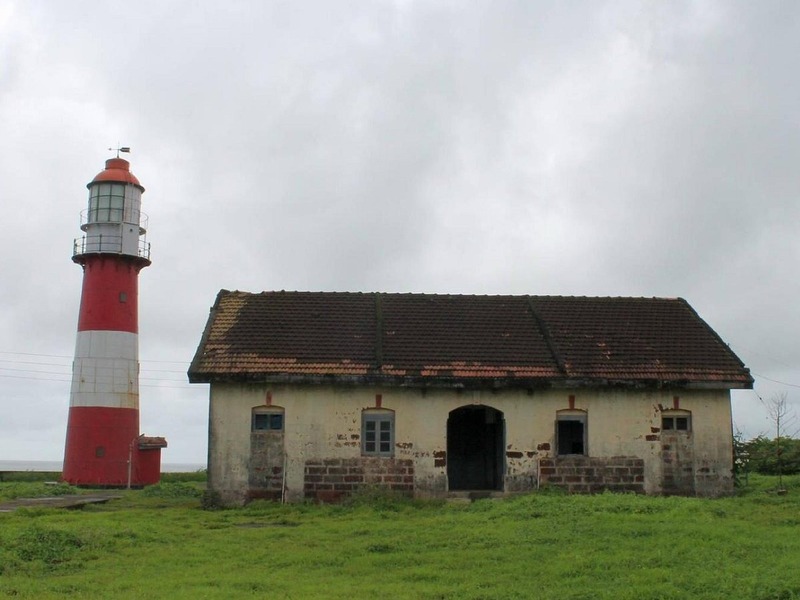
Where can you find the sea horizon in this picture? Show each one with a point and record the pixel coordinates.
(57, 465)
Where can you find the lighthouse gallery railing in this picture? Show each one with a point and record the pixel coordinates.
(95, 244)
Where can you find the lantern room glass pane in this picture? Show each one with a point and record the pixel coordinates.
(106, 203)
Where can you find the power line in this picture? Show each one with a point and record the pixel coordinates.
(69, 374)
(795, 385)
(68, 365)
(13, 360)
(769, 358)
(33, 371)
(175, 362)
(145, 370)
(22, 362)
(187, 386)
(34, 354)
(31, 362)
(35, 378)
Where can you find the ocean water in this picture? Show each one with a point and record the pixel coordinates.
(49, 465)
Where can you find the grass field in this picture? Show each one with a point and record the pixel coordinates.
(159, 543)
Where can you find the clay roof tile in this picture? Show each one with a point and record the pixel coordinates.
(458, 338)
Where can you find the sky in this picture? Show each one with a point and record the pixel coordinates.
(620, 148)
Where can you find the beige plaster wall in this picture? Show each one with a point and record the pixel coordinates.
(325, 422)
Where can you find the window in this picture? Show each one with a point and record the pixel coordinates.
(106, 201)
(676, 420)
(571, 432)
(267, 419)
(377, 433)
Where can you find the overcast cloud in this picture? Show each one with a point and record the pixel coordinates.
(575, 148)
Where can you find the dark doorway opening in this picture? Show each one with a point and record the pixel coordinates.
(475, 457)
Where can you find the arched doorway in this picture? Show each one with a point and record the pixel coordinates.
(475, 440)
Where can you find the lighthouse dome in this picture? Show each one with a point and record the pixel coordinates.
(117, 170)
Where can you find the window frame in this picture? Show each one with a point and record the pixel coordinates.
(572, 416)
(378, 417)
(673, 417)
(270, 413)
(106, 203)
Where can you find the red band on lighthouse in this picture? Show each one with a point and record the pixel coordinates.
(100, 442)
(109, 300)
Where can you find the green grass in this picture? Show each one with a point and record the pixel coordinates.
(30, 475)
(33, 489)
(35, 484)
(158, 543)
(41, 476)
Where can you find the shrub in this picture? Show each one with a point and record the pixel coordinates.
(211, 500)
(172, 490)
(764, 455)
(200, 476)
(50, 546)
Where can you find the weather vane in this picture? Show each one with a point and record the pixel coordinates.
(120, 149)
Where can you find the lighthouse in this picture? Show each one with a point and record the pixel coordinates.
(103, 445)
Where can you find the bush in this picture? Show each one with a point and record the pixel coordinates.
(172, 490)
(200, 476)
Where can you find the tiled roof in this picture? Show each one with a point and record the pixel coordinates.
(422, 339)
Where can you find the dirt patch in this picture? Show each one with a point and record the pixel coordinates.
(67, 501)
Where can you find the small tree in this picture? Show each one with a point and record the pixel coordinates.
(785, 420)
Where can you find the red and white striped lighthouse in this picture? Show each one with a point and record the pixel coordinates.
(103, 444)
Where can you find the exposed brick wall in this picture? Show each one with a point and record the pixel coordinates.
(330, 479)
(713, 481)
(590, 475)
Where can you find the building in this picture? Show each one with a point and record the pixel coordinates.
(314, 395)
(103, 444)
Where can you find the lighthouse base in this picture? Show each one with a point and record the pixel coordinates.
(104, 449)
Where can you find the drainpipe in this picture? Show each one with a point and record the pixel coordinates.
(130, 461)
(538, 472)
(283, 481)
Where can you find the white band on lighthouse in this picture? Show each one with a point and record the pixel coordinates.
(106, 370)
